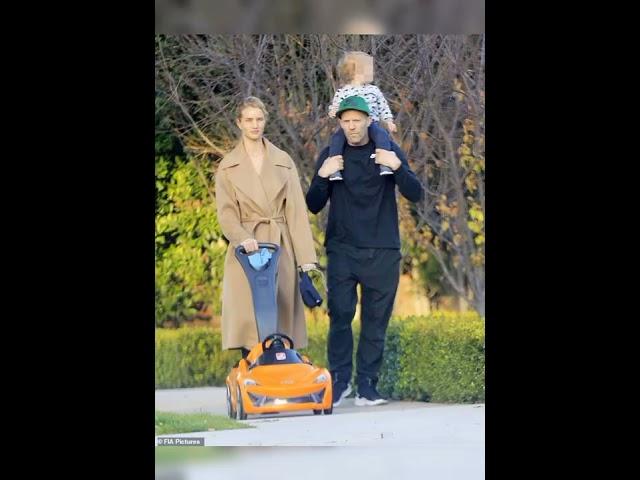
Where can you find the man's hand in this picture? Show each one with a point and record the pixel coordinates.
(388, 158)
(250, 245)
(392, 126)
(331, 165)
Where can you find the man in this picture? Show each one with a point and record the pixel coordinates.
(363, 247)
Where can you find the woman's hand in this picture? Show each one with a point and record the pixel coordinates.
(250, 245)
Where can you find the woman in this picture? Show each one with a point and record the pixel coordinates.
(259, 199)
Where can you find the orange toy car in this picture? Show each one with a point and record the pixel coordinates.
(273, 378)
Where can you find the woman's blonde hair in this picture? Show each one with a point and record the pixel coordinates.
(347, 65)
(254, 102)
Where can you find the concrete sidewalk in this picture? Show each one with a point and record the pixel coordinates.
(436, 426)
(213, 400)
(370, 463)
(396, 441)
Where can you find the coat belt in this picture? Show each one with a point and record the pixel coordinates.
(274, 228)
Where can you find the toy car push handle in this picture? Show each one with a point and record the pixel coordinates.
(263, 284)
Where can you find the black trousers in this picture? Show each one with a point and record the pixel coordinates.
(377, 270)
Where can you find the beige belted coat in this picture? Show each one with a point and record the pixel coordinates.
(269, 207)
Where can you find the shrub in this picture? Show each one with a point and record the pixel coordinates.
(438, 358)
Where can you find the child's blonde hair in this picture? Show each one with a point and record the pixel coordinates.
(348, 65)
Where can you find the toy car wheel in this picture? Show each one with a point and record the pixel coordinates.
(328, 411)
(317, 412)
(230, 411)
(241, 414)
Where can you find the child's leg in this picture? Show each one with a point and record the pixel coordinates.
(382, 139)
(336, 146)
(380, 136)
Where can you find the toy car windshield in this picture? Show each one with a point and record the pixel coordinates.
(278, 356)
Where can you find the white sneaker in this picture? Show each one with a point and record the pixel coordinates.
(365, 402)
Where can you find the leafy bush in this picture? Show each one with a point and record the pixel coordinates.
(190, 248)
(191, 357)
(439, 357)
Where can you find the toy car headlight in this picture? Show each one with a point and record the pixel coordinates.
(249, 381)
(321, 378)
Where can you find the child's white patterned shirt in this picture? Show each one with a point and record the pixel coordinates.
(377, 103)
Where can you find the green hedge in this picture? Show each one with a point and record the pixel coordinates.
(191, 357)
(438, 358)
